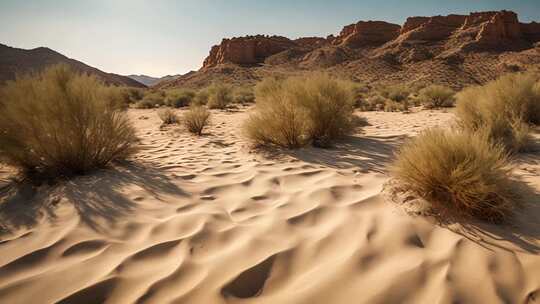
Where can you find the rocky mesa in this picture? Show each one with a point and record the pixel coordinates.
(455, 49)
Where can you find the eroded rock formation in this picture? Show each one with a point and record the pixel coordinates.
(365, 33)
(419, 39)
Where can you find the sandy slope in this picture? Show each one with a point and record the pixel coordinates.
(206, 220)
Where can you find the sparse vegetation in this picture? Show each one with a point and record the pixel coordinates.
(502, 109)
(458, 171)
(61, 123)
(244, 95)
(397, 93)
(219, 96)
(201, 98)
(168, 116)
(179, 98)
(196, 118)
(151, 100)
(436, 96)
(299, 110)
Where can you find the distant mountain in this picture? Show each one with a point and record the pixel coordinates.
(14, 61)
(150, 81)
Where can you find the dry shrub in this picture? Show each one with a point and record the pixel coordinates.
(244, 95)
(397, 93)
(196, 118)
(502, 109)
(458, 171)
(179, 98)
(151, 100)
(168, 116)
(219, 96)
(394, 106)
(201, 98)
(436, 96)
(373, 103)
(61, 123)
(298, 110)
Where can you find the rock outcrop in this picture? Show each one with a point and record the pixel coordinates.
(453, 49)
(366, 33)
(445, 37)
(247, 50)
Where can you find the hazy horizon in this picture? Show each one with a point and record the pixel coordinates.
(168, 37)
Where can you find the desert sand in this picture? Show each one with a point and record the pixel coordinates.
(210, 220)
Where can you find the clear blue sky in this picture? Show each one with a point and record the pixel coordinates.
(159, 37)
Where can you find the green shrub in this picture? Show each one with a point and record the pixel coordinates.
(502, 109)
(196, 118)
(179, 98)
(244, 95)
(60, 123)
(167, 116)
(293, 112)
(219, 96)
(459, 172)
(436, 96)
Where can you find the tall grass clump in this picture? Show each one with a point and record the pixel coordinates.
(61, 123)
(502, 109)
(293, 112)
(458, 171)
(168, 116)
(219, 96)
(436, 96)
(196, 118)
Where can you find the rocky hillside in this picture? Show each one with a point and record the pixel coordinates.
(14, 61)
(454, 50)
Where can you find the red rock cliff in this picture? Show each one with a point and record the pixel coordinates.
(247, 50)
(367, 33)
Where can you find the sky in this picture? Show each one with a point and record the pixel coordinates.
(166, 37)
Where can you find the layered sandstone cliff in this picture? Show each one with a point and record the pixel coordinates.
(419, 39)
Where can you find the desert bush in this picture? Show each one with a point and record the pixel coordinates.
(458, 171)
(436, 96)
(293, 112)
(167, 116)
(373, 103)
(132, 95)
(179, 98)
(244, 95)
(196, 118)
(151, 100)
(219, 96)
(201, 98)
(397, 93)
(61, 123)
(394, 106)
(502, 109)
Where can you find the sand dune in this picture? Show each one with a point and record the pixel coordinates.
(209, 220)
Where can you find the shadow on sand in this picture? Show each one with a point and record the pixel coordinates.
(367, 153)
(521, 231)
(97, 198)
